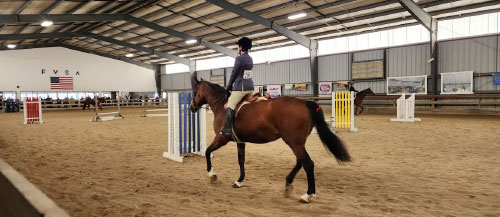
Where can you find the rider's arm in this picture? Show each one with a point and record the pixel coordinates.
(234, 73)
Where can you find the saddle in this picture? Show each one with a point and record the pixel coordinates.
(249, 98)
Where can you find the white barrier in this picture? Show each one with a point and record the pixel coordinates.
(343, 110)
(186, 130)
(32, 110)
(406, 109)
(109, 116)
(147, 113)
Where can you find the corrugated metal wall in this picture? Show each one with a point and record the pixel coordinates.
(334, 67)
(408, 61)
(218, 72)
(259, 74)
(278, 73)
(228, 74)
(204, 74)
(476, 54)
(300, 71)
(376, 86)
(166, 82)
(368, 55)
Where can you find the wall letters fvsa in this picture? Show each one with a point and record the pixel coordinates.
(65, 72)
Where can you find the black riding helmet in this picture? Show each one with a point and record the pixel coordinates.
(245, 43)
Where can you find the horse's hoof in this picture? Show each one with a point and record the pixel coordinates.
(213, 179)
(307, 198)
(237, 184)
(288, 190)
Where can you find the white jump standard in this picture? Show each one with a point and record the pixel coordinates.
(108, 116)
(406, 109)
(186, 130)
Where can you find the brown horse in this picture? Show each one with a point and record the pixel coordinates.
(358, 101)
(89, 101)
(288, 118)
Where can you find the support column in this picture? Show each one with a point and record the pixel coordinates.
(158, 69)
(192, 72)
(434, 56)
(313, 58)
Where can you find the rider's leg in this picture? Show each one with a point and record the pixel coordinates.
(233, 100)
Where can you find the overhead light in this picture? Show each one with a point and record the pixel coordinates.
(192, 41)
(129, 55)
(47, 23)
(11, 46)
(182, 55)
(297, 16)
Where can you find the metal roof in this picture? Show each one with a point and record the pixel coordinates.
(156, 31)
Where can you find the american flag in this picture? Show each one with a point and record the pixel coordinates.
(61, 83)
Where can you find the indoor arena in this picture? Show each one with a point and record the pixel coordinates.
(249, 108)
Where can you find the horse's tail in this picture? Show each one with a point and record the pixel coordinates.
(330, 140)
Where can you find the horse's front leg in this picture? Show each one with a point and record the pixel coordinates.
(241, 162)
(219, 141)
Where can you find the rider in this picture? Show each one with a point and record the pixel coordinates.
(240, 81)
(350, 86)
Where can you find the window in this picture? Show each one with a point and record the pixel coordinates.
(176, 68)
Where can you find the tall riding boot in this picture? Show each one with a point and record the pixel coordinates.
(228, 128)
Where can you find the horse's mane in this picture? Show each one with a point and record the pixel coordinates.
(217, 89)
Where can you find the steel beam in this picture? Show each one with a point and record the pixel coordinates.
(430, 24)
(172, 57)
(175, 58)
(112, 17)
(35, 36)
(37, 18)
(124, 59)
(300, 39)
(23, 6)
(31, 46)
(166, 30)
(418, 13)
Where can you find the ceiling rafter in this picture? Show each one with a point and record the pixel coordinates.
(229, 40)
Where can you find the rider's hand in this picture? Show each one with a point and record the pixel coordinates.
(228, 93)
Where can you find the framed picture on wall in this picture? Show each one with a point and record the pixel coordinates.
(457, 82)
(325, 88)
(274, 90)
(259, 89)
(407, 85)
(367, 69)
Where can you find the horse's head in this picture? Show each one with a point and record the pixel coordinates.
(369, 91)
(199, 92)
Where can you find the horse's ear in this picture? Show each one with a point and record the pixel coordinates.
(194, 80)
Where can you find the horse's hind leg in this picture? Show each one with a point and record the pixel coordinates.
(362, 108)
(241, 162)
(291, 175)
(308, 165)
(302, 157)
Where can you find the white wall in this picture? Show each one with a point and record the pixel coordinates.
(23, 68)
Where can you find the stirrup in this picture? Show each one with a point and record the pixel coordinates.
(225, 133)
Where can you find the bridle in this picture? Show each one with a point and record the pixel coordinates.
(201, 107)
